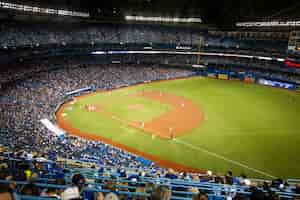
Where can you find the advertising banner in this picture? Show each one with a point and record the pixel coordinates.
(223, 76)
(211, 75)
(277, 84)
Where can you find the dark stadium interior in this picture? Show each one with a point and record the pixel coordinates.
(225, 12)
(45, 55)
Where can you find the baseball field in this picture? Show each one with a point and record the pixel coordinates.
(196, 124)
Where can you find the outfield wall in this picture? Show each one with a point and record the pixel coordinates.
(250, 78)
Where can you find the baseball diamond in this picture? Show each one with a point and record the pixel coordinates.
(185, 124)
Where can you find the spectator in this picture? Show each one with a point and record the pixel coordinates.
(71, 193)
(6, 192)
(200, 196)
(30, 189)
(297, 188)
(111, 196)
(160, 193)
(78, 181)
(257, 194)
(50, 192)
(171, 174)
(229, 178)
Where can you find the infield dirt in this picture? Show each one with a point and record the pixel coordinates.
(183, 116)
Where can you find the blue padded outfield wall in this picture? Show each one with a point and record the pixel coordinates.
(250, 78)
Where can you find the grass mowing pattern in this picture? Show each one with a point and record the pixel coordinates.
(255, 125)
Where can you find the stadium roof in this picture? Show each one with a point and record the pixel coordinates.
(219, 12)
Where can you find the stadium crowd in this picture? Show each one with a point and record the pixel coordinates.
(35, 34)
(21, 175)
(15, 34)
(25, 102)
(31, 94)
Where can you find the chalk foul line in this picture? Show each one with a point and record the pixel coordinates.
(222, 158)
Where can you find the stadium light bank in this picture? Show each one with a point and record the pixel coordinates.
(269, 24)
(163, 19)
(33, 9)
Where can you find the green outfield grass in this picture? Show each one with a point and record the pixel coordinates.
(247, 128)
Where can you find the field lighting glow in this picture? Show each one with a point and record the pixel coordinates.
(163, 19)
(189, 53)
